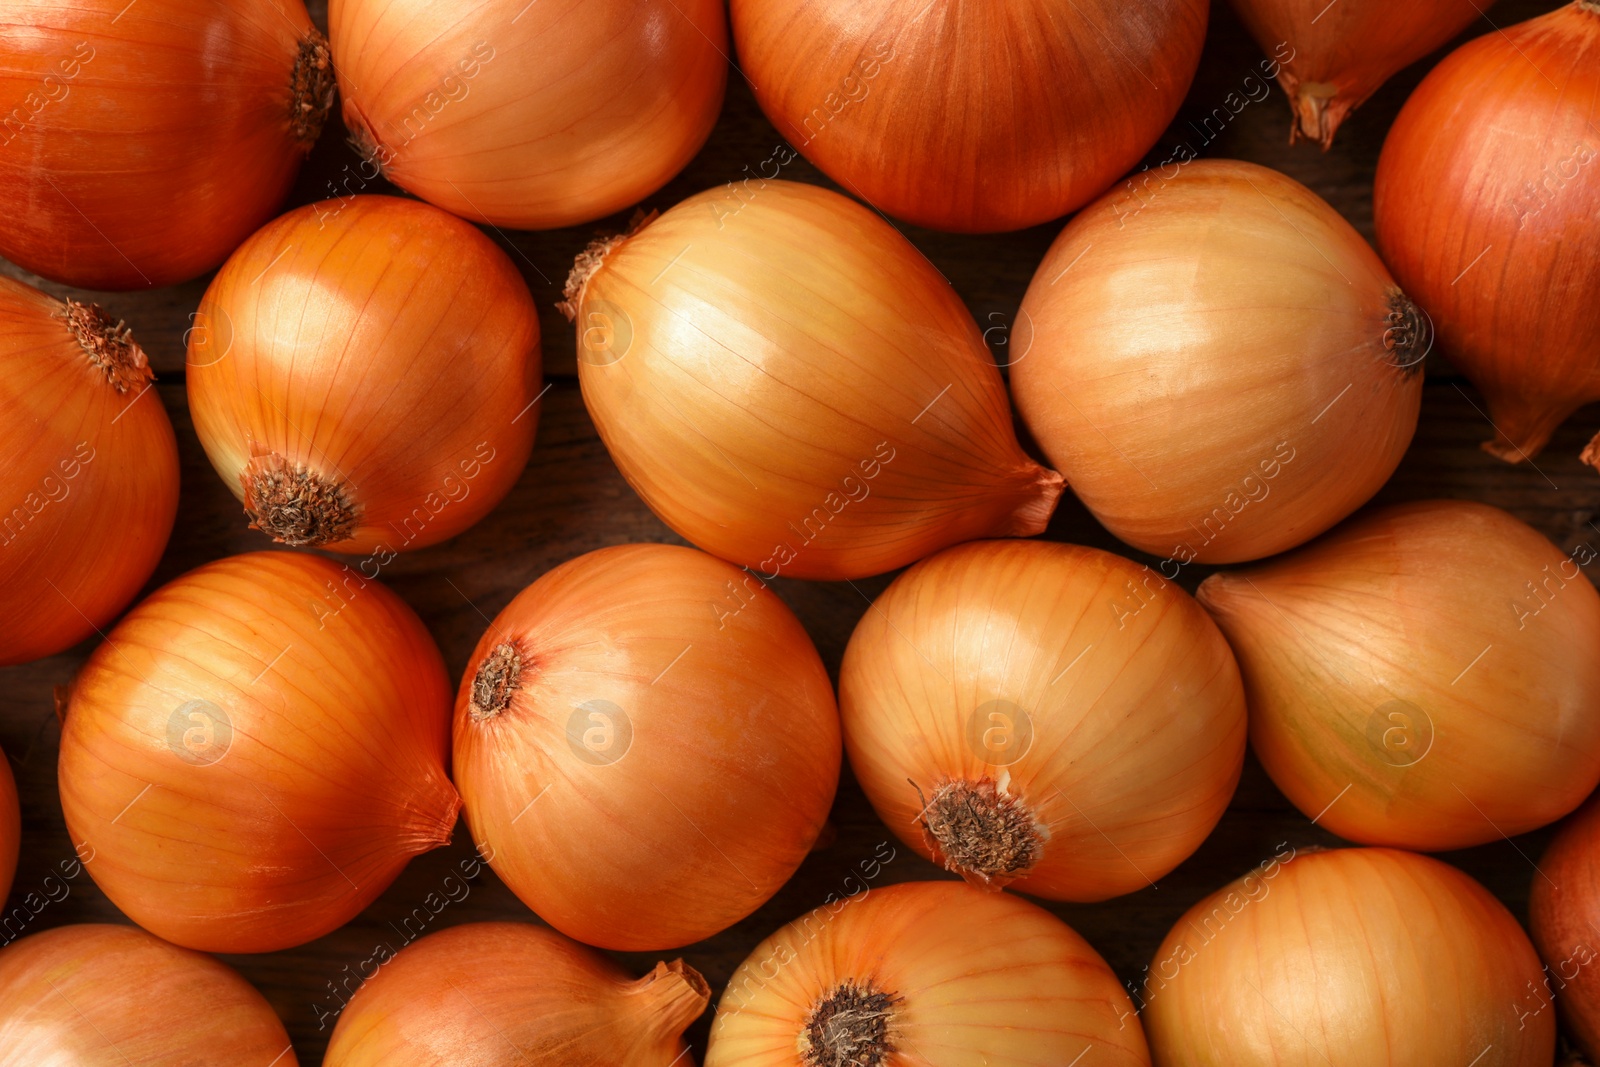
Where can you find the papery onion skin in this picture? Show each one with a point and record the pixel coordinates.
(1563, 915)
(1484, 208)
(256, 751)
(1089, 710)
(114, 996)
(10, 827)
(1364, 956)
(1431, 665)
(1221, 367)
(647, 746)
(364, 376)
(147, 140)
(530, 116)
(956, 975)
(504, 994)
(791, 385)
(90, 483)
(1000, 115)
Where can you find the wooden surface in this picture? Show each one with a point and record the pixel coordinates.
(571, 500)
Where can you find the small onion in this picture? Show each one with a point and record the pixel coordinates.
(791, 385)
(1046, 715)
(1219, 364)
(365, 374)
(928, 973)
(647, 746)
(89, 489)
(1361, 956)
(10, 827)
(113, 996)
(256, 751)
(1424, 677)
(1564, 914)
(503, 994)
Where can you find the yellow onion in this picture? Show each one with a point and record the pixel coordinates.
(256, 750)
(1043, 715)
(935, 974)
(1564, 915)
(1425, 677)
(10, 827)
(792, 386)
(1365, 956)
(1219, 364)
(113, 996)
(503, 994)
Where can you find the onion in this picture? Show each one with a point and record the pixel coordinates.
(113, 996)
(365, 375)
(1000, 115)
(256, 751)
(144, 141)
(1564, 914)
(1362, 956)
(1219, 365)
(931, 973)
(1425, 677)
(791, 385)
(1484, 207)
(10, 827)
(529, 115)
(1005, 723)
(89, 485)
(683, 727)
(507, 994)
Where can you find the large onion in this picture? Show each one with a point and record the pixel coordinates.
(1564, 914)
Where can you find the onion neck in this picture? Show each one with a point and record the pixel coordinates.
(673, 996)
(1522, 425)
(849, 1026)
(497, 679)
(976, 829)
(108, 344)
(311, 89)
(296, 505)
(1039, 500)
(591, 259)
(1317, 112)
(431, 818)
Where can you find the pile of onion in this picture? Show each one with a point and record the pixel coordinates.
(1005, 723)
(529, 115)
(256, 751)
(1484, 207)
(1363, 956)
(144, 141)
(504, 994)
(10, 827)
(90, 478)
(792, 386)
(1424, 677)
(364, 376)
(113, 996)
(1564, 915)
(1219, 365)
(971, 117)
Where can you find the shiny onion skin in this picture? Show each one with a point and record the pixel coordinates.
(792, 386)
(935, 974)
(1563, 914)
(10, 827)
(532, 116)
(256, 751)
(971, 117)
(89, 485)
(1431, 665)
(363, 376)
(505, 994)
(1366, 956)
(1219, 365)
(1047, 716)
(1484, 206)
(114, 996)
(647, 746)
(145, 141)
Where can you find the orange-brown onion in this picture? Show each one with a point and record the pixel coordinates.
(114, 996)
(647, 745)
(1043, 715)
(1218, 363)
(1366, 956)
(935, 974)
(1484, 206)
(1564, 916)
(256, 751)
(529, 115)
(504, 994)
(364, 376)
(1425, 676)
(971, 117)
(10, 827)
(792, 386)
(142, 142)
(89, 487)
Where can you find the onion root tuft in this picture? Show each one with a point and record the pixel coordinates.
(982, 833)
(295, 505)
